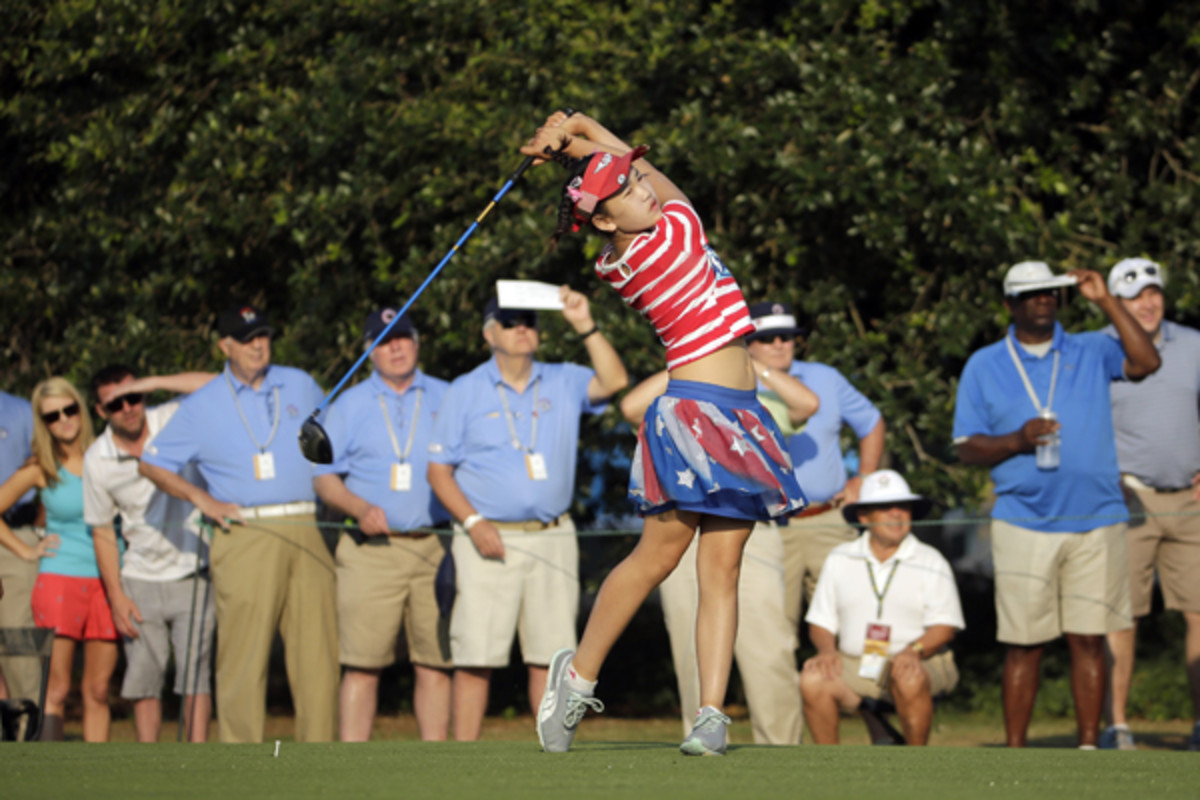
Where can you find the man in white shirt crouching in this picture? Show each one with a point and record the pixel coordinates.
(884, 609)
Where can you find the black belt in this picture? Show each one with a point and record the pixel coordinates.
(21, 516)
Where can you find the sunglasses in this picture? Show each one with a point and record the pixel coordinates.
(132, 399)
(51, 417)
(512, 322)
(771, 339)
(1132, 275)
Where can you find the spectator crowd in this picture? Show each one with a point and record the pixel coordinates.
(198, 518)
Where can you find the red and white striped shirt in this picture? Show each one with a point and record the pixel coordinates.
(675, 280)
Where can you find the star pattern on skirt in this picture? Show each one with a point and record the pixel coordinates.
(685, 477)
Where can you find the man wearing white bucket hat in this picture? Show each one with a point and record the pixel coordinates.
(1058, 525)
(1157, 424)
(885, 608)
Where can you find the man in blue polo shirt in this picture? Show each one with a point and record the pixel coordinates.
(380, 430)
(22, 674)
(1157, 423)
(502, 461)
(270, 568)
(1058, 525)
(815, 448)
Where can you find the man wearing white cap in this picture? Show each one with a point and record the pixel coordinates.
(1034, 408)
(815, 446)
(1157, 423)
(885, 608)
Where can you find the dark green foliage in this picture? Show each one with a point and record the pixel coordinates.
(878, 163)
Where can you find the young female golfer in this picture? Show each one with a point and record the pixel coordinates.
(709, 457)
(68, 595)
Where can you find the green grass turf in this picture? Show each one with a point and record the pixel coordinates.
(609, 770)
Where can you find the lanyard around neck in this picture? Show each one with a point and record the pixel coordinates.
(412, 428)
(508, 417)
(262, 448)
(879, 595)
(1012, 351)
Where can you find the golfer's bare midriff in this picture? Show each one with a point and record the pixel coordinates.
(729, 367)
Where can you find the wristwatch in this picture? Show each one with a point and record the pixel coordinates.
(918, 648)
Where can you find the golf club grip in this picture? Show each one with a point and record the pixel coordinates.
(530, 159)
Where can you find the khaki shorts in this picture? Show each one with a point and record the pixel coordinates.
(533, 592)
(1048, 584)
(1170, 543)
(940, 667)
(384, 585)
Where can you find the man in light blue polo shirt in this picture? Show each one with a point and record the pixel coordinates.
(815, 448)
(380, 431)
(502, 462)
(270, 569)
(1157, 423)
(22, 674)
(1058, 525)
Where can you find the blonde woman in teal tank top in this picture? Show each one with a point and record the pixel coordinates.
(68, 595)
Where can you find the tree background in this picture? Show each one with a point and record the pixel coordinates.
(879, 164)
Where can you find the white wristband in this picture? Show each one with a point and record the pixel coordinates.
(470, 521)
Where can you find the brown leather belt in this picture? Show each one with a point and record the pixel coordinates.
(361, 538)
(812, 511)
(531, 525)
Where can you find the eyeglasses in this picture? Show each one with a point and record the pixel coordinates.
(772, 338)
(512, 322)
(1150, 270)
(51, 417)
(132, 399)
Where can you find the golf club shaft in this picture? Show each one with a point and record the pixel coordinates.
(383, 334)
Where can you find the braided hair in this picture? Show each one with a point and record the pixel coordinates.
(575, 168)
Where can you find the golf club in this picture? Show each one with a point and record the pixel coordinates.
(314, 441)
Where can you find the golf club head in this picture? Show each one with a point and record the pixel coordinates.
(314, 442)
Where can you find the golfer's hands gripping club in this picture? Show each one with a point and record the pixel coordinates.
(556, 133)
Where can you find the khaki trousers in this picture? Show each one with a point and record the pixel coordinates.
(267, 575)
(807, 542)
(765, 647)
(23, 674)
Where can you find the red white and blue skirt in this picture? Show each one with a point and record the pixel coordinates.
(713, 450)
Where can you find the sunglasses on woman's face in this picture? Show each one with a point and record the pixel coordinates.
(132, 399)
(51, 417)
